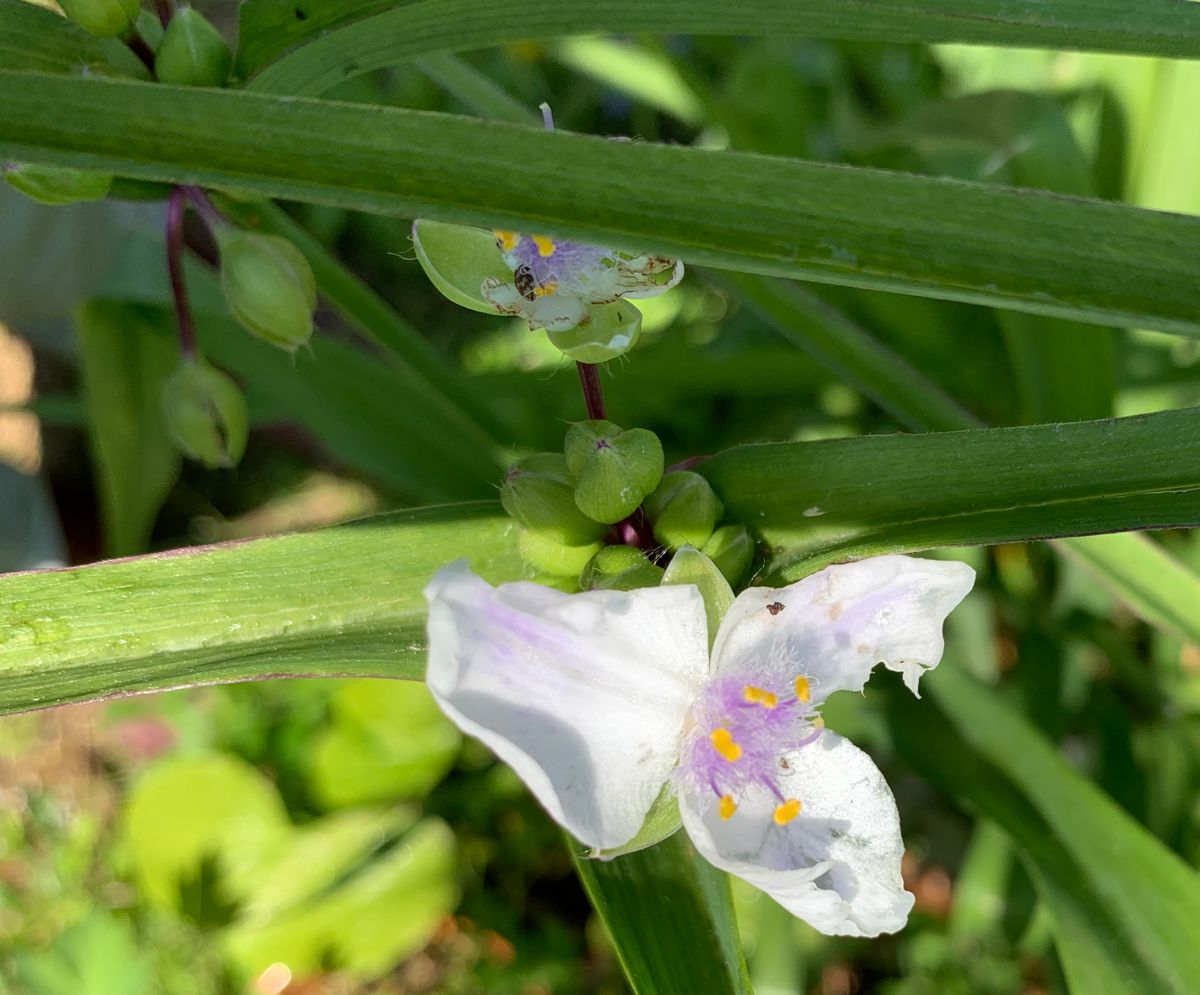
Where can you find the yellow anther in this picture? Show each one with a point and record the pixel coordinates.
(723, 743)
(803, 689)
(760, 696)
(786, 812)
(728, 807)
(508, 239)
(545, 289)
(545, 246)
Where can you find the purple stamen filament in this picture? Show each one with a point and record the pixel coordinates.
(741, 738)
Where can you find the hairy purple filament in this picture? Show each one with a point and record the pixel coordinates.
(740, 738)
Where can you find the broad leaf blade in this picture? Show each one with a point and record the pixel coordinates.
(341, 601)
(127, 355)
(1035, 252)
(1154, 27)
(671, 918)
(821, 501)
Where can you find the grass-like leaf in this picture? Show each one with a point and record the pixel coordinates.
(1031, 251)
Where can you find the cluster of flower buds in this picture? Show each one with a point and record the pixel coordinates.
(586, 514)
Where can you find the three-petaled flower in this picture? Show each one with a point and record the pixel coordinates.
(599, 699)
(555, 282)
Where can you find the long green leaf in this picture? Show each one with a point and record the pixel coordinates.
(1153, 27)
(671, 919)
(341, 601)
(33, 37)
(818, 502)
(1152, 895)
(1145, 576)
(1076, 258)
(972, 745)
(127, 354)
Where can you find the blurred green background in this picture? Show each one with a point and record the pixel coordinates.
(339, 837)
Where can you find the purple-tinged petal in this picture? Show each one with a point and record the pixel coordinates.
(836, 865)
(833, 628)
(583, 695)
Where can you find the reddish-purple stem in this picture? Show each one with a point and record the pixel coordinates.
(166, 10)
(176, 207)
(141, 48)
(593, 395)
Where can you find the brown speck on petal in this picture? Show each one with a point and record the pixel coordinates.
(775, 608)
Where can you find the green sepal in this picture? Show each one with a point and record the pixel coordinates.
(539, 493)
(192, 52)
(269, 286)
(102, 18)
(690, 566)
(609, 331)
(615, 469)
(684, 510)
(731, 548)
(206, 414)
(661, 822)
(619, 568)
(57, 185)
(549, 556)
(457, 259)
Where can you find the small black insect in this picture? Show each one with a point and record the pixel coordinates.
(524, 282)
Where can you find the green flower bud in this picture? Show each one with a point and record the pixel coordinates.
(57, 185)
(549, 556)
(608, 331)
(684, 510)
(568, 585)
(268, 285)
(103, 18)
(619, 568)
(206, 414)
(731, 548)
(539, 492)
(192, 52)
(615, 469)
(690, 566)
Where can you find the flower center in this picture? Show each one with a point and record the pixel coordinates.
(739, 739)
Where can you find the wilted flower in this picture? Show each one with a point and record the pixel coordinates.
(598, 700)
(555, 282)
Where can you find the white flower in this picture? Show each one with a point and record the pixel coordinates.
(599, 699)
(555, 282)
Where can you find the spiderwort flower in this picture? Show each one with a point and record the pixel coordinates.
(597, 700)
(555, 282)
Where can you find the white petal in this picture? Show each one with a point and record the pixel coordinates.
(653, 290)
(836, 625)
(557, 312)
(836, 865)
(583, 695)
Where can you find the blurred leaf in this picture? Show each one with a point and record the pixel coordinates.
(670, 917)
(1157, 586)
(343, 601)
(863, 228)
(822, 501)
(379, 915)
(1156, 27)
(32, 37)
(127, 355)
(387, 740)
(194, 808)
(1118, 895)
(96, 956)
